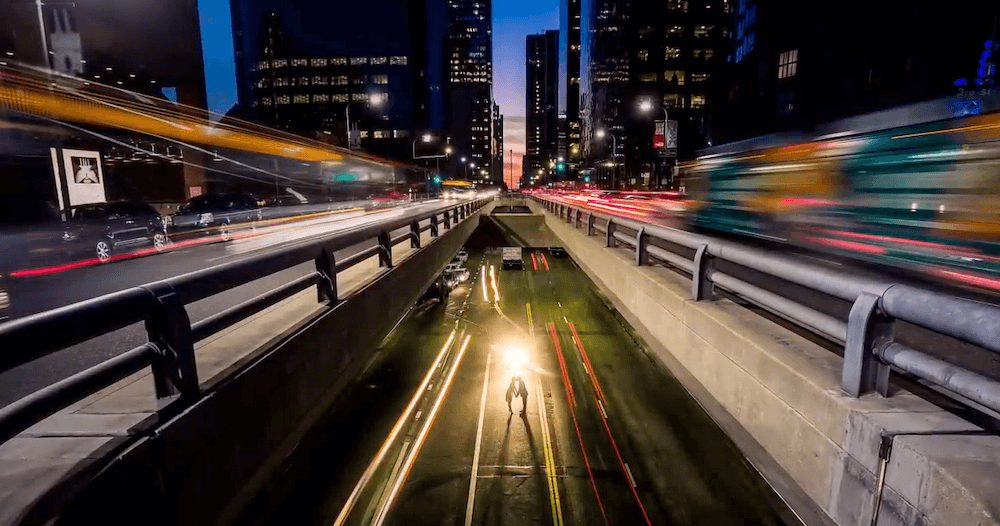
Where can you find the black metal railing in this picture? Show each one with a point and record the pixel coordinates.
(161, 306)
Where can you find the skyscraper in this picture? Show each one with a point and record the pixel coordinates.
(319, 68)
(469, 62)
(497, 174)
(570, 21)
(542, 99)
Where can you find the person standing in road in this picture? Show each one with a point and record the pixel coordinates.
(522, 391)
(511, 389)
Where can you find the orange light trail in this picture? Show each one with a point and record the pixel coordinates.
(396, 429)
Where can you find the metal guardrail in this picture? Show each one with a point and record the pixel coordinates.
(170, 350)
(867, 335)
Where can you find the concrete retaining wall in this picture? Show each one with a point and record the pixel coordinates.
(782, 391)
(195, 468)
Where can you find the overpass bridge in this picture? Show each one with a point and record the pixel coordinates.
(652, 397)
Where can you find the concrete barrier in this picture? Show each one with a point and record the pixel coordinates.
(777, 393)
(268, 380)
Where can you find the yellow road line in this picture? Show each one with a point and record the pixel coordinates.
(550, 469)
(531, 324)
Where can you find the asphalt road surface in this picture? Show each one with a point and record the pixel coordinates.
(425, 436)
(48, 291)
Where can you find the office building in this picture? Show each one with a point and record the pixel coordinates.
(363, 71)
(792, 66)
(570, 20)
(645, 57)
(469, 92)
(497, 174)
(542, 99)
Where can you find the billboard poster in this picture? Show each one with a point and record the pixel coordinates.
(84, 177)
(659, 140)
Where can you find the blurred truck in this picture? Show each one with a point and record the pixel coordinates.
(510, 257)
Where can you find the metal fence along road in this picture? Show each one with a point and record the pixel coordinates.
(866, 334)
(161, 306)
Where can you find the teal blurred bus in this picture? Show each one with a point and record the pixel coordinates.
(916, 186)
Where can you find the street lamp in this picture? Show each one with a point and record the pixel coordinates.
(614, 155)
(646, 106)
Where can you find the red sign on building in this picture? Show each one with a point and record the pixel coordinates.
(659, 136)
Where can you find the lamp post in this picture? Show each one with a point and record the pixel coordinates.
(646, 106)
(372, 101)
(614, 156)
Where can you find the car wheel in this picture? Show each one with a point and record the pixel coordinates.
(225, 233)
(103, 250)
(160, 241)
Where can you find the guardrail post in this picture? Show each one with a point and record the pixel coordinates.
(579, 217)
(611, 234)
(701, 286)
(434, 225)
(590, 224)
(169, 330)
(456, 216)
(867, 330)
(641, 244)
(415, 234)
(447, 219)
(569, 215)
(385, 254)
(326, 266)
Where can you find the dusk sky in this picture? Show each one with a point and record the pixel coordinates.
(513, 20)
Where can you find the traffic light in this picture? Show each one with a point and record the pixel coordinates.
(436, 179)
(561, 168)
(586, 178)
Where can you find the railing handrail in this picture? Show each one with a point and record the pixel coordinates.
(866, 334)
(161, 305)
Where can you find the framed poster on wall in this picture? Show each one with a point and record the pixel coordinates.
(84, 177)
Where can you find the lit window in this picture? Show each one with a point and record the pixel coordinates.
(321, 98)
(357, 61)
(319, 62)
(643, 54)
(339, 80)
(359, 97)
(265, 101)
(340, 97)
(677, 5)
(281, 82)
(699, 77)
(397, 61)
(284, 99)
(704, 54)
(675, 30)
(280, 63)
(338, 61)
(647, 77)
(320, 80)
(380, 79)
(703, 31)
(379, 61)
(361, 79)
(379, 134)
(400, 133)
(674, 76)
(672, 53)
(264, 64)
(300, 62)
(698, 101)
(788, 64)
(303, 81)
(302, 99)
(264, 83)
(363, 134)
(673, 100)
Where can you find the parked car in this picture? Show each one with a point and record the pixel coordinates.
(103, 229)
(457, 271)
(215, 214)
(462, 256)
(558, 252)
